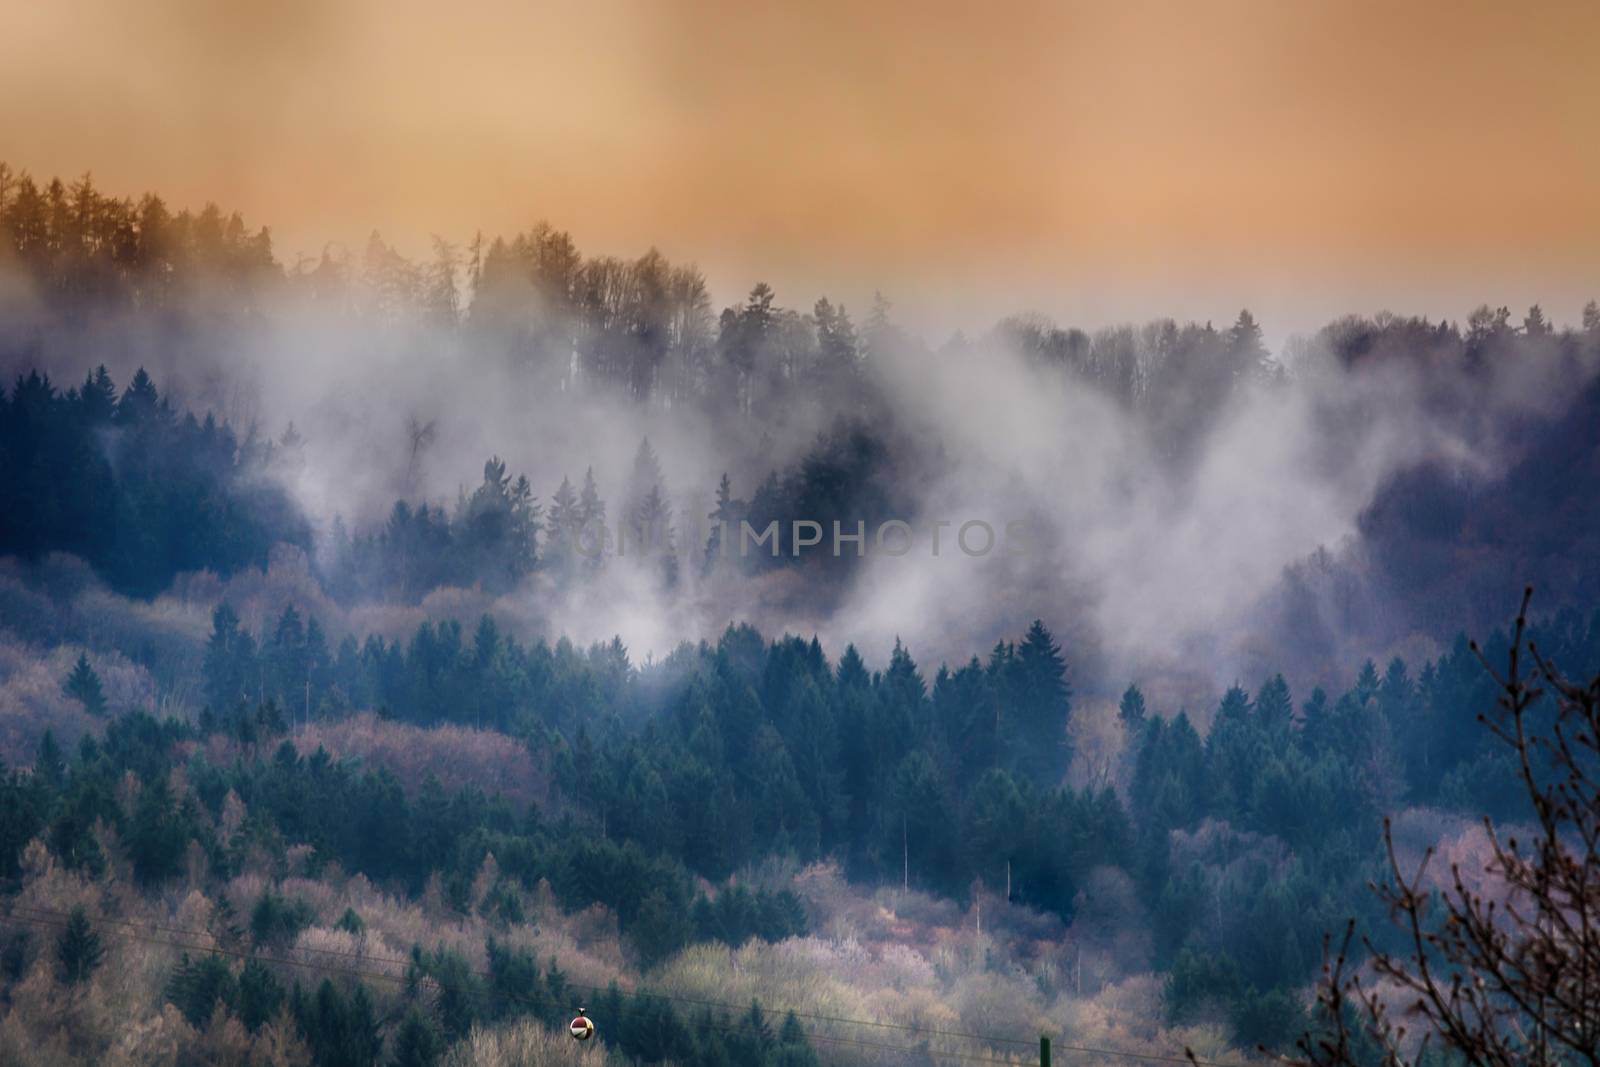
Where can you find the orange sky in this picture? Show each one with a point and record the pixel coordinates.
(1091, 160)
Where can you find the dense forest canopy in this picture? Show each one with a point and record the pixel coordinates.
(374, 390)
(319, 633)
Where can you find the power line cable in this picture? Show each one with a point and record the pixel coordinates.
(59, 923)
(57, 919)
(680, 998)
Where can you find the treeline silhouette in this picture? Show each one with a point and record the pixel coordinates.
(144, 492)
(644, 327)
(137, 489)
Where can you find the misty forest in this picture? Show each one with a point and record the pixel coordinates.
(344, 722)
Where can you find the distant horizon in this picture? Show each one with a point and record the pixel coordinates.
(933, 322)
(1098, 162)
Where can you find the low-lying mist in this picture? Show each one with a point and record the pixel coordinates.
(1193, 504)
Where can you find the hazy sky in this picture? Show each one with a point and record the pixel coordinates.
(1092, 160)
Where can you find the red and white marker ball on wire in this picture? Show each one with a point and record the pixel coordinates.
(581, 1028)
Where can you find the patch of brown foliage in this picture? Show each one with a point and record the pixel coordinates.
(458, 756)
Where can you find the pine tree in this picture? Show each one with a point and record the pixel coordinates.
(225, 925)
(593, 540)
(83, 685)
(1043, 702)
(660, 928)
(158, 835)
(97, 397)
(78, 949)
(645, 513)
(229, 661)
(140, 401)
(526, 513)
(48, 765)
(260, 995)
(724, 520)
(1248, 356)
(561, 535)
(417, 1043)
(339, 1030)
(198, 986)
(1275, 708)
(1535, 324)
(793, 1048)
(1132, 710)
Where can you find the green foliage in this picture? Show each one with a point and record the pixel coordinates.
(183, 495)
(260, 995)
(660, 929)
(515, 984)
(417, 1043)
(458, 996)
(1274, 1019)
(1243, 845)
(159, 834)
(78, 949)
(48, 766)
(15, 954)
(339, 1028)
(198, 986)
(83, 685)
(276, 920)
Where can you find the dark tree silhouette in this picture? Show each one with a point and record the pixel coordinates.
(78, 950)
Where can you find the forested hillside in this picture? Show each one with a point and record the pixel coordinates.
(314, 760)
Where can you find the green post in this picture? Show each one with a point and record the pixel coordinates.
(1044, 1051)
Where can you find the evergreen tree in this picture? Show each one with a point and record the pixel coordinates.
(1275, 708)
(417, 1043)
(1131, 710)
(565, 525)
(1038, 741)
(49, 767)
(97, 398)
(341, 1031)
(594, 538)
(158, 835)
(1248, 357)
(647, 518)
(260, 995)
(661, 928)
(198, 986)
(725, 518)
(78, 949)
(229, 661)
(83, 685)
(1535, 324)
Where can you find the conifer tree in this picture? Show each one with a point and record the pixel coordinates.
(48, 765)
(97, 397)
(727, 514)
(593, 539)
(1131, 710)
(1043, 706)
(78, 949)
(260, 995)
(417, 1043)
(563, 528)
(83, 685)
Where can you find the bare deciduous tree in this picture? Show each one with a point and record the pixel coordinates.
(1508, 974)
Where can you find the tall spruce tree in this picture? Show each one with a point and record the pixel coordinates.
(78, 949)
(83, 685)
(1043, 705)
